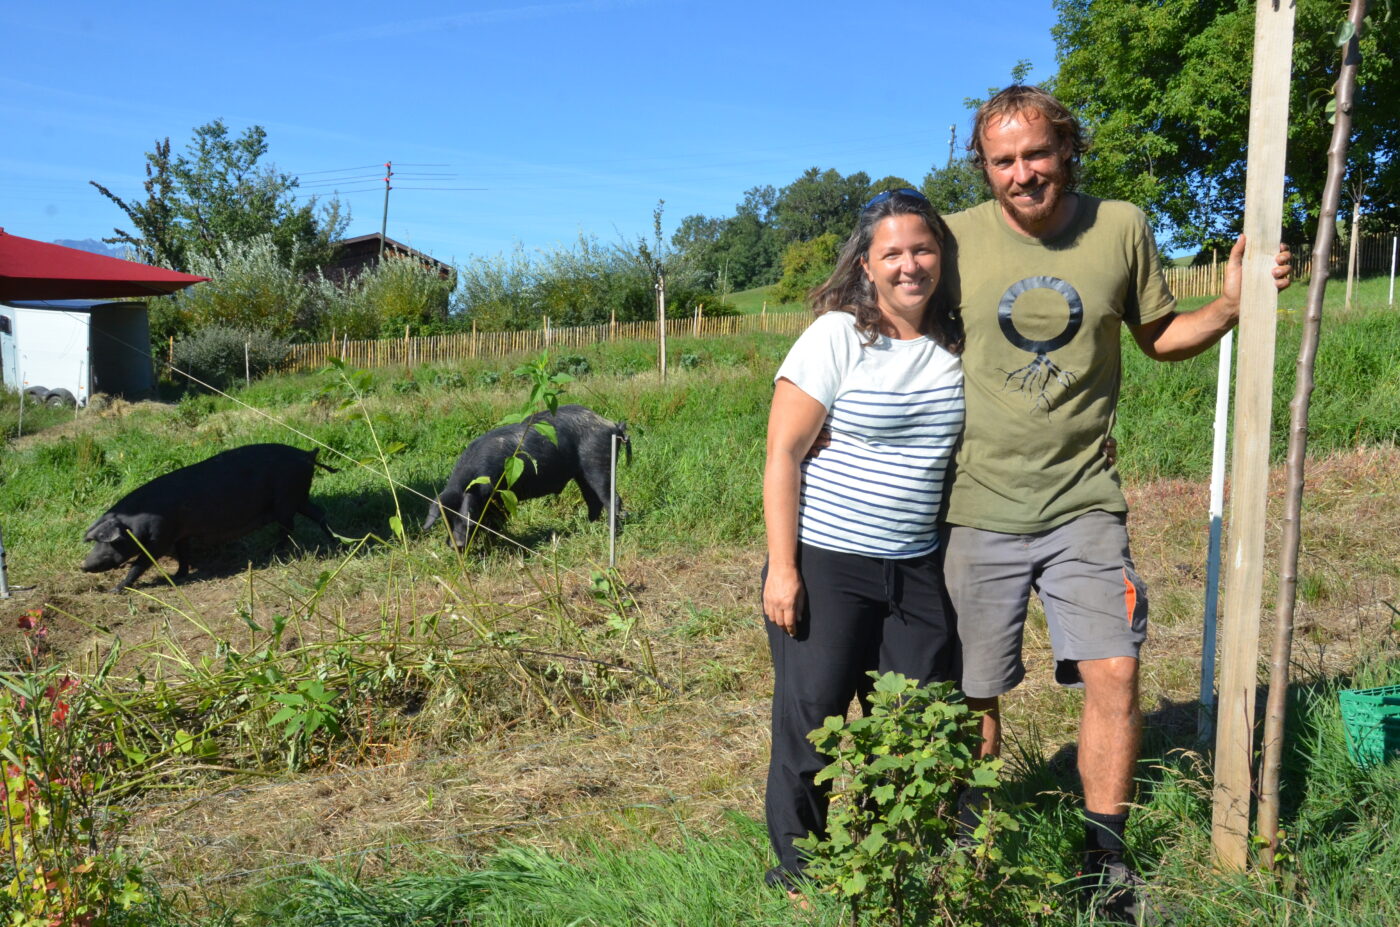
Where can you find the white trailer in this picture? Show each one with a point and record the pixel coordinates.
(62, 351)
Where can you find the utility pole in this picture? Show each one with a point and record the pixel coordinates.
(384, 226)
(952, 142)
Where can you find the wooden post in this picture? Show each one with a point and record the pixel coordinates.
(473, 337)
(407, 361)
(1277, 709)
(1268, 126)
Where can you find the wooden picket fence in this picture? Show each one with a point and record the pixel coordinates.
(446, 349)
(1372, 257)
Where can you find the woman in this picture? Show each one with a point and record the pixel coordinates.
(853, 582)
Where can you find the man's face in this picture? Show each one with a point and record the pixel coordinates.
(1028, 169)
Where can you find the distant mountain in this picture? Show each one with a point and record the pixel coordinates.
(93, 245)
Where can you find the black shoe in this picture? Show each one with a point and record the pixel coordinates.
(778, 877)
(1120, 896)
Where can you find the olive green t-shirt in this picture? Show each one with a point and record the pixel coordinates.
(1042, 364)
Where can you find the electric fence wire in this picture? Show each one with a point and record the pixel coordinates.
(357, 772)
(363, 852)
(381, 474)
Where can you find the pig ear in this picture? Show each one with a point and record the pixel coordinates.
(106, 531)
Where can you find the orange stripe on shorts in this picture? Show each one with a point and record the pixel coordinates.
(1129, 596)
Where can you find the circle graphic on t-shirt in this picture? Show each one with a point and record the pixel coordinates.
(1013, 293)
(1035, 378)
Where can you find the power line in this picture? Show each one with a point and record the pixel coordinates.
(337, 170)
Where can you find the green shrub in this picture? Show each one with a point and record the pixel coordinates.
(397, 292)
(575, 365)
(806, 264)
(251, 288)
(216, 354)
(890, 843)
(449, 379)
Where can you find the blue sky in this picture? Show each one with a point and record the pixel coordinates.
(573, 117)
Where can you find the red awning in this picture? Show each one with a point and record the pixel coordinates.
(32, 269)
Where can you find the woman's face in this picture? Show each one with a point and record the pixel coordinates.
(903, 264)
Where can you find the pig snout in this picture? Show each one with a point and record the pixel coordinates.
(103, 557)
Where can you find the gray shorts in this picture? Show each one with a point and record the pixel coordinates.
(1095, 604)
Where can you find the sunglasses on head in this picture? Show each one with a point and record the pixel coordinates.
(879, 198)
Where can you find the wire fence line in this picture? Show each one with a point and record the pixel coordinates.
(439, 349)
(360, 853)
(1373, 256)
(562, 739)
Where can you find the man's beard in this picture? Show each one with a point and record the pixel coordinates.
(1029, 216)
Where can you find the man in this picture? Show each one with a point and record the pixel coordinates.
(1043, 278)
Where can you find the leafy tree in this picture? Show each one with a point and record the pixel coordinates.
(217, 193)
(819, 203)
(955, 187)
(892, 182)
(805, 265)
(1164, 88)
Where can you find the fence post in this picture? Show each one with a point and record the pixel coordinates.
(247, 366)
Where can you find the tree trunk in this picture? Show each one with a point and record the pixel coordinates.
(1277, 709)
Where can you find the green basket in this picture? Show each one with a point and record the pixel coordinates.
(1372, 720)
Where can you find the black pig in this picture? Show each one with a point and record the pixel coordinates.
(219, 499)
(583, 454)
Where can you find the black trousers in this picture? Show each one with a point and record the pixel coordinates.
(861, 614)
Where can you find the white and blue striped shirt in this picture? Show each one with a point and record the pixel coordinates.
(895, 411)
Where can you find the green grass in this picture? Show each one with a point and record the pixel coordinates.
(751, 302)
(1166, 411)
(694, 486)
(1337, 866)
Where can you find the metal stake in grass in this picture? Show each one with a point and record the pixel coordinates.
(4, 573)
(612, 502)
(1277, 710)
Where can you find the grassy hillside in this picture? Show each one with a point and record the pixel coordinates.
(520, 736)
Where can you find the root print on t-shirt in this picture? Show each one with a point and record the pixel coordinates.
(1035, 378)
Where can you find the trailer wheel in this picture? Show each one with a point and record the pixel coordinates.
(37, 394)
(60, 397)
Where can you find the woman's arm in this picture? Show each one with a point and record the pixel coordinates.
(793, 423)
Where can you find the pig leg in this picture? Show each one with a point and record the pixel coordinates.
(182, 558)
(594, 487)
(139, 566)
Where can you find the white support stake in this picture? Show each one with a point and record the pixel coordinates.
(612, 503)
(1205, 719)
(4, 572)
(1394, 247)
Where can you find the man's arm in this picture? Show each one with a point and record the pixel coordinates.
(1178, 336)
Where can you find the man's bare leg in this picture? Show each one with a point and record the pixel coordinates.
(1110, 732)
(991, 725)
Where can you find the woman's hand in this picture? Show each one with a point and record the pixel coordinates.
(782, 597)
(793, 423)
